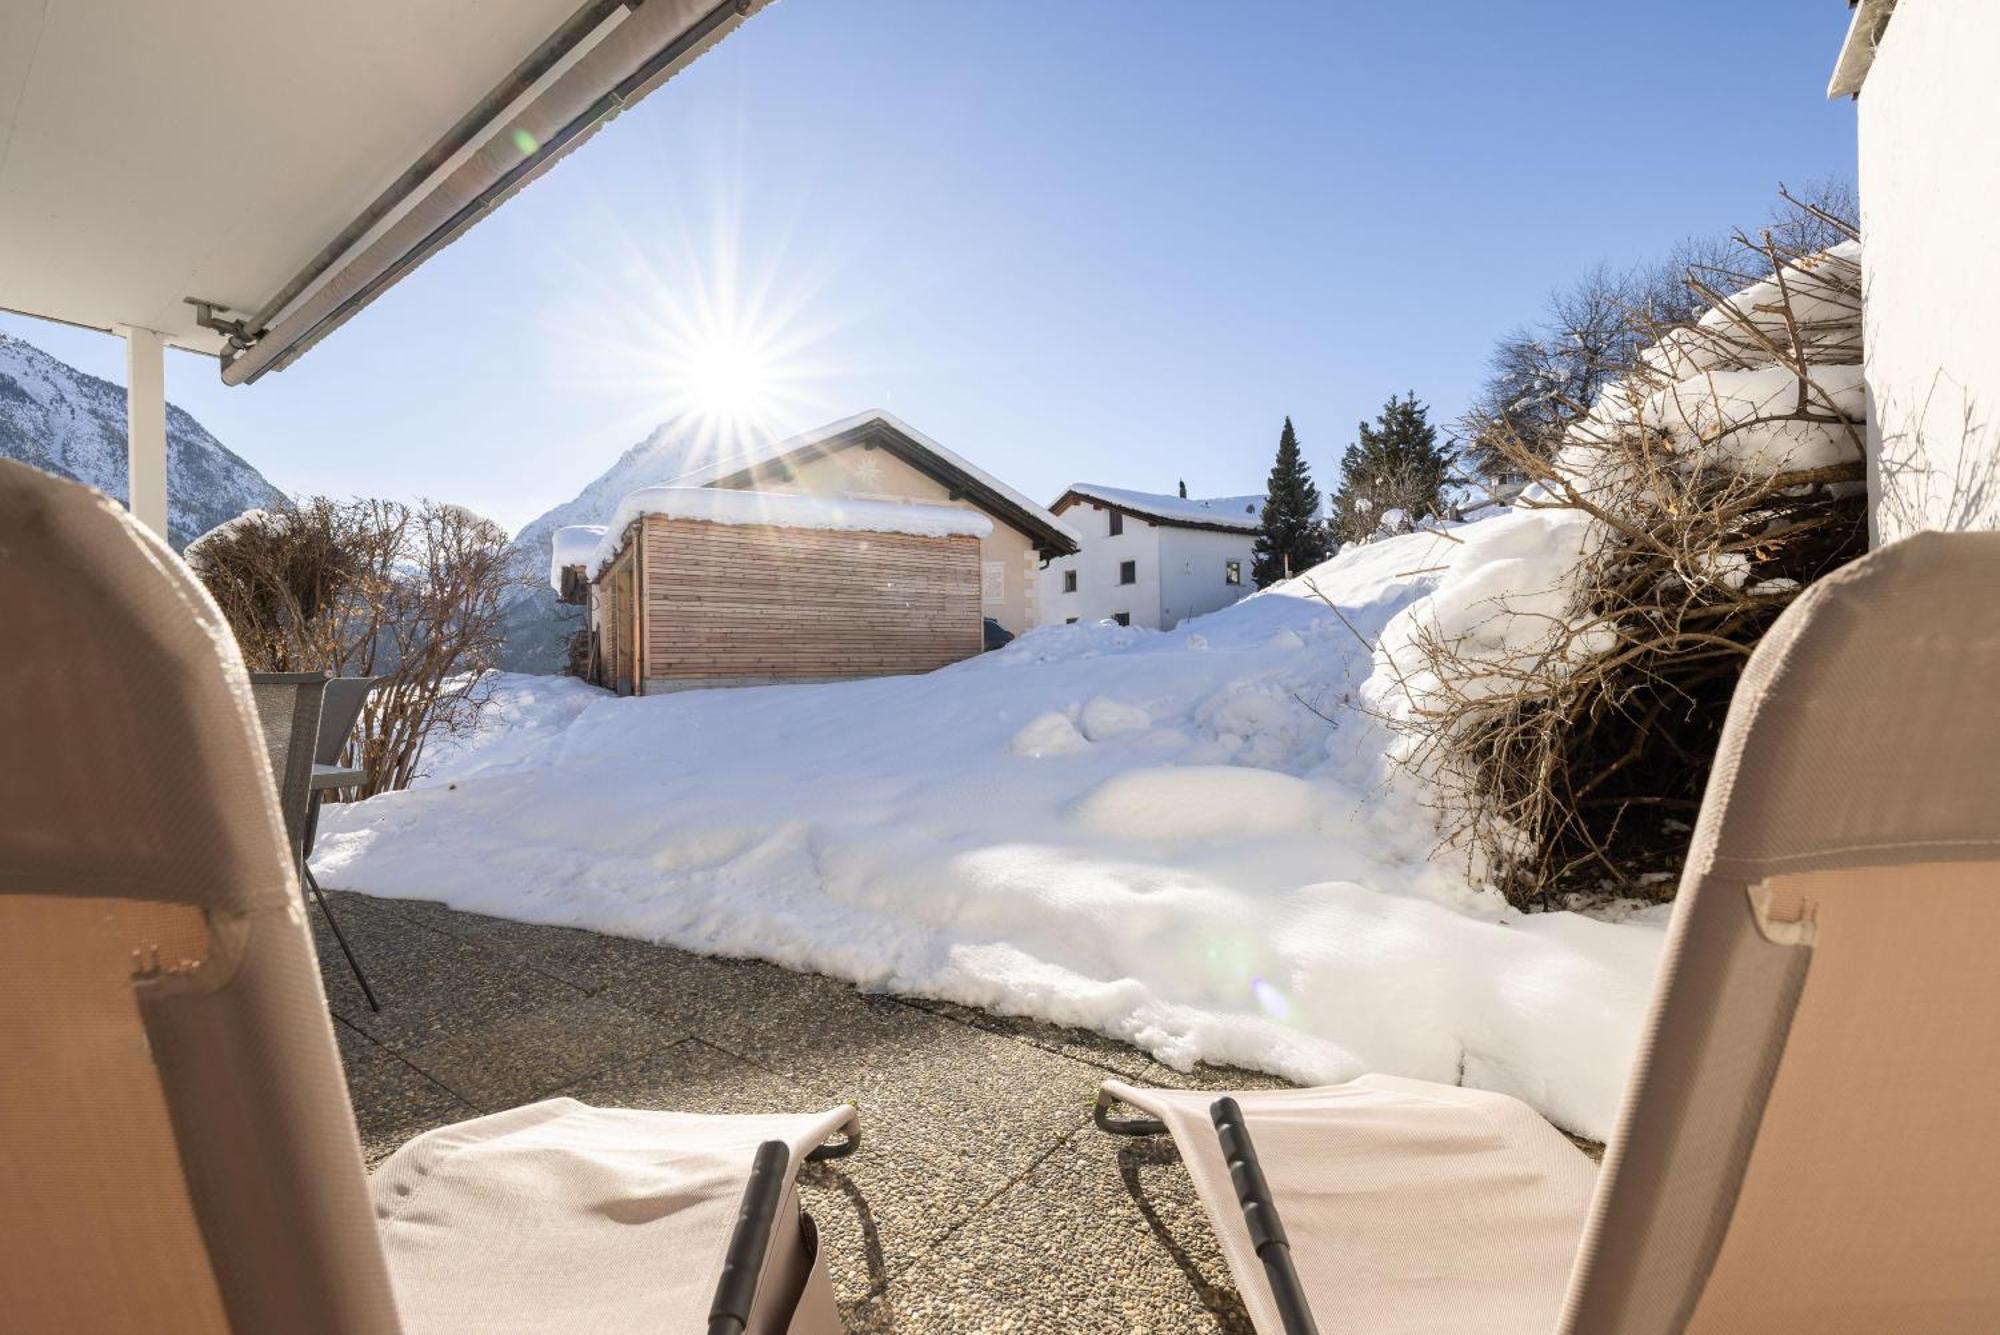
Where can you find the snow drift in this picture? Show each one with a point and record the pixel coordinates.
(1180, 839)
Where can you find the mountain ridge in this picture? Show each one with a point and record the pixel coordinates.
(71, 423)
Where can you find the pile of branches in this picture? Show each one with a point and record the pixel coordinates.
(1573, 771)
(369, 588)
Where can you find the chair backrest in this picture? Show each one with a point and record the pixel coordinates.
(1811, 1139)
(338, 712)
(288, 707)
(176, 1143)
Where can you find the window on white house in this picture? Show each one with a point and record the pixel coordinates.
(1122, 618)
(1069, 581)
(1117, 522)
(1232, 572)
(1128, 572)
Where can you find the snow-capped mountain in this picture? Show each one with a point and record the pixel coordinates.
(59, 419)
(537, 626)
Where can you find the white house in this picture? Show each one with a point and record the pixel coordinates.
(1930, 187)
(1149, 560)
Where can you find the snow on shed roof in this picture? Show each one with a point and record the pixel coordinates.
(726, 505)
(1237, 512)
(1034, 516)
(572, 545)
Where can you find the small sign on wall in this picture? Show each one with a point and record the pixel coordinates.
(992, 581)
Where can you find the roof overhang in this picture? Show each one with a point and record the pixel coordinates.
(880, 430)
(1076, 497)
(285, 163)
(1857, 54)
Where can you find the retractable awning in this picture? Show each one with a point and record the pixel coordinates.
(285, 164)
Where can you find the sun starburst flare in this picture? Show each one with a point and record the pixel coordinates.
(677, 327)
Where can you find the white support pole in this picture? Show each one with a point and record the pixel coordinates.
(146, 427)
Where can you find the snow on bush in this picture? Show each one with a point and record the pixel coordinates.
(1561, 692)
(1183, 840)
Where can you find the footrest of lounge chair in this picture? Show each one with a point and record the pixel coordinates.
(561, 1216)
(1410, 1207)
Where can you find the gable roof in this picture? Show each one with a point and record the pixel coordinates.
(1230, 514)
(886, 431)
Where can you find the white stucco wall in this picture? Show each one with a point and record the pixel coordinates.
(1192, 572)
(1929, 139)
(1098, 593)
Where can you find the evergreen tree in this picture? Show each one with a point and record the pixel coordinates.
(1395, 473)
(1183, 488)
(1293, 538)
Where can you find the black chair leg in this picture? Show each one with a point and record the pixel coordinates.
(340, 936)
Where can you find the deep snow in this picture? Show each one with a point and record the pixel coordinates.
(1150, 834)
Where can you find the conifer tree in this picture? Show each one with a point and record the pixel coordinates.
(1183, 488)
(1394, 476)
(1293, 538)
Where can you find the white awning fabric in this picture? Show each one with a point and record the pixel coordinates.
(288, 163)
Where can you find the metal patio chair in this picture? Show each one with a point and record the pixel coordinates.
(289, 707)
(340, 710)
(176, 1139)
(1808, 1142)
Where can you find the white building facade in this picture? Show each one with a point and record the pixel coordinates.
(1930, 185)
(1149, 560)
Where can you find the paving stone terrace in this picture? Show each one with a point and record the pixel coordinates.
(982, 1197)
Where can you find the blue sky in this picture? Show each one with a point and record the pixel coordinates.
(1113, 242)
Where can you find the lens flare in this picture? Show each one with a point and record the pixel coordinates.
(1271, 1000)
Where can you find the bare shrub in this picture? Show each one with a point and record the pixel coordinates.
(369, 588)
(1392, 499)
(1578, 766)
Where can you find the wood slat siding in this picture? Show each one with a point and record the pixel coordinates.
(739, 601)
(615, 621)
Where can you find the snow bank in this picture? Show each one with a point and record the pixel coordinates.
(572, 545)
(1503, 599)
(1153, 835)
(722, 505)
(1238, 512)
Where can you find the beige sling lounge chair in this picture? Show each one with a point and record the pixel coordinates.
(177, 1151)
(1810, 1144)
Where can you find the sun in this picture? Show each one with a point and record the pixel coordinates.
(728, 379)
(693, 324)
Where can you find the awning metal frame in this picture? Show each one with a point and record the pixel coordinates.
(289, 324)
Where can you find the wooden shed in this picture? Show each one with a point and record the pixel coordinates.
(712, 587)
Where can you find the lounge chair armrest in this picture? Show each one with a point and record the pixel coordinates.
(1260, 1216)
(750, 1240)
